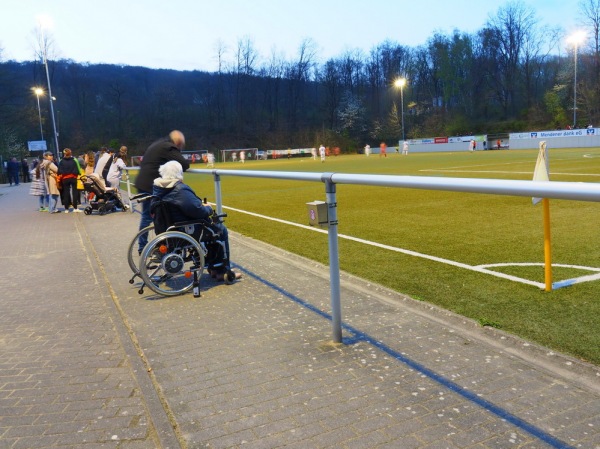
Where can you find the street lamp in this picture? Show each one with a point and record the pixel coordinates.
(575, 39)
(45, 22)
(401, 82)
(57, 119)
(39, 91)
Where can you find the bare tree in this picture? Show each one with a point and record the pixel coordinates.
(505, 35)
(273, 73)
(246, 56)
(332, 83)
(590, 12)
(219, 107)
(299, 75)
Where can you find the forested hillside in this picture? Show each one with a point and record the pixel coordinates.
(509, 76)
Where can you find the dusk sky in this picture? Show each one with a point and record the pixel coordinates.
(183, 34)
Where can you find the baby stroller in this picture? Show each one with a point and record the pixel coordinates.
(177, 253)
(104, 199)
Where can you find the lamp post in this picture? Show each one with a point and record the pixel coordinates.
(57, 119)
(575, 39)
(45, 22)
(401, 82)
(39, 91)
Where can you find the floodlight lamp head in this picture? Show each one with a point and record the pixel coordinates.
(400, 82)
(577, 38)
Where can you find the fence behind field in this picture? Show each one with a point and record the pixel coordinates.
(550, 189)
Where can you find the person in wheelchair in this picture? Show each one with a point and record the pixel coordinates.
(185, 205)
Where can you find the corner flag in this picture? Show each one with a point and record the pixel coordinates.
(542, 168)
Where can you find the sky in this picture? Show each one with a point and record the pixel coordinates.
(185, 34)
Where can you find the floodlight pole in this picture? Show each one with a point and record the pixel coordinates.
(45, 60)
(576, 39)
(38, 92)
(575, 91)
(401, 82)
(402, 109)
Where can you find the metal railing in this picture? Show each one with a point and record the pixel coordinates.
(576, 191)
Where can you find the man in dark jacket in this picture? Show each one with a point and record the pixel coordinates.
(157, 154)
(12, 168)
(68, 170)
(25, 170)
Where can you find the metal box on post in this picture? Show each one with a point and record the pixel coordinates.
(317, 214)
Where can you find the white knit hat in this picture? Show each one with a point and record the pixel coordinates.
(171, 170)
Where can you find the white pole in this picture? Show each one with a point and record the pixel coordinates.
(45, 59)
(40, 115)
(575, 92)
(402, 107)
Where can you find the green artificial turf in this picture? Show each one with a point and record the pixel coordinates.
(473, 229)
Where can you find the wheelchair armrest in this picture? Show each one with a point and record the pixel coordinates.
(181, 224)
(141, 197)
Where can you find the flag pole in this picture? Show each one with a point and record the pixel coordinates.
(542, 173)
(547, 246)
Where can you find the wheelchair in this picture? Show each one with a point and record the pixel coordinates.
(176, 255)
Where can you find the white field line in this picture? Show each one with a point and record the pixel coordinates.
(579, 280)
(469, 169)
(506, 172)
(479, 269)
(558, 284)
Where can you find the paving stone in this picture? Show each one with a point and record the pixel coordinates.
(86, 361)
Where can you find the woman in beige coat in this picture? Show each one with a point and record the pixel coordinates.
(51, 174)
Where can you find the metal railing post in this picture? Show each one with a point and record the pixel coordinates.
(218, 198)
(334, 260)
(129, 191)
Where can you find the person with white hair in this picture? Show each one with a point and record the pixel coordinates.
(184, 204)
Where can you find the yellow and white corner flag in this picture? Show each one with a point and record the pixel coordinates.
(542, 168)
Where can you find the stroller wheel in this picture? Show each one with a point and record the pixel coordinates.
(87, 210)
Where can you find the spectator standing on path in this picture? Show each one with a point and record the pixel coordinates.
(104, 159)
(25, 170)
(382, 149)
(51, 171)
(68, 170)
(158, 153)
(88, 168)
(115, 172)
(322, 153)
(13, 168)
(99, 155)
(89, 160)
(39, 188)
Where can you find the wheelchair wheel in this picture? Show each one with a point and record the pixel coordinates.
(168, 263)
(133, 254)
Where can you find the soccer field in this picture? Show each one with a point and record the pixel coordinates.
(445, 248)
